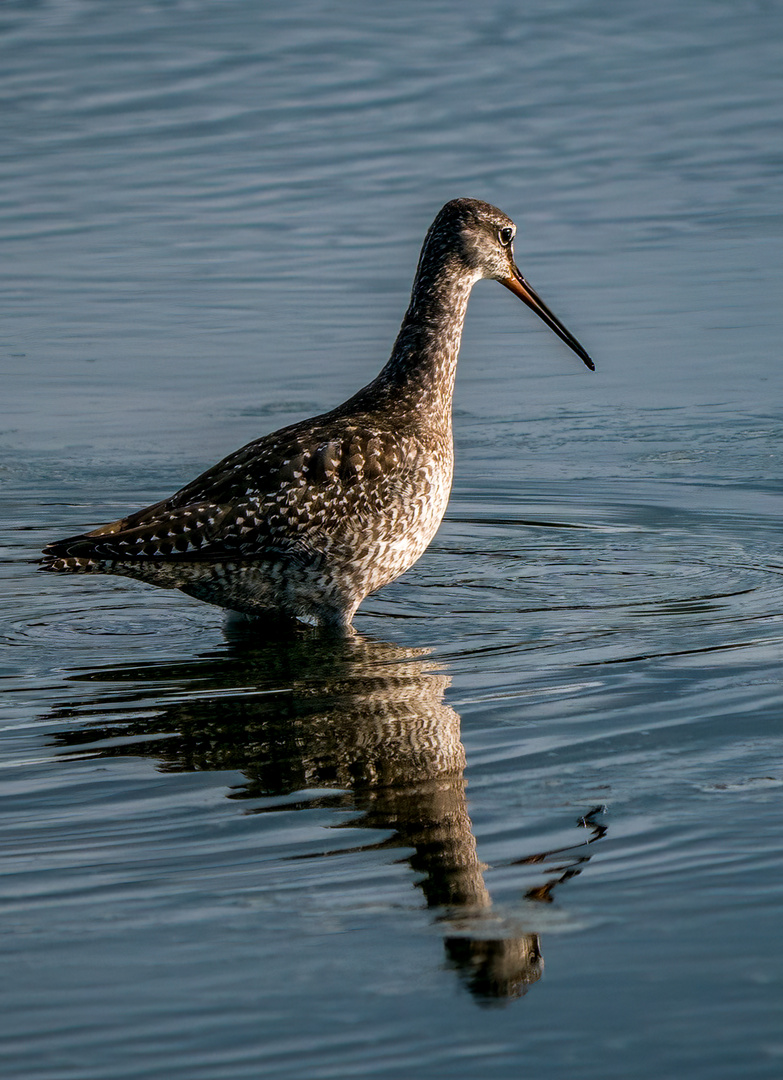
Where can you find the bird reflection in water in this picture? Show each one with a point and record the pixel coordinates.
(365, 717)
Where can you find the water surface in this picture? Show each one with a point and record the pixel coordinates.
(528, 820)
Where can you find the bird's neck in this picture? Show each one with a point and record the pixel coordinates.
(422, 367)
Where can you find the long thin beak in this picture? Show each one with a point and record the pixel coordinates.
(519, 287)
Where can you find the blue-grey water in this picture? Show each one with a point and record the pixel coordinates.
(528, 821)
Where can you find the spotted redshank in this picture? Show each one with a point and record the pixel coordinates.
(304, 523)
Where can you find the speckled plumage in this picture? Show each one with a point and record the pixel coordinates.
(307, 521)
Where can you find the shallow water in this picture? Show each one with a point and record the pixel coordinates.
(528, 820)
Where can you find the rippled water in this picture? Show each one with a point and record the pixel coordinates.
(528, 820)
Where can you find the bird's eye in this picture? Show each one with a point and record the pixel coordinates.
(505, 236)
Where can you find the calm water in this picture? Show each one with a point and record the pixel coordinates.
(528, 822)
